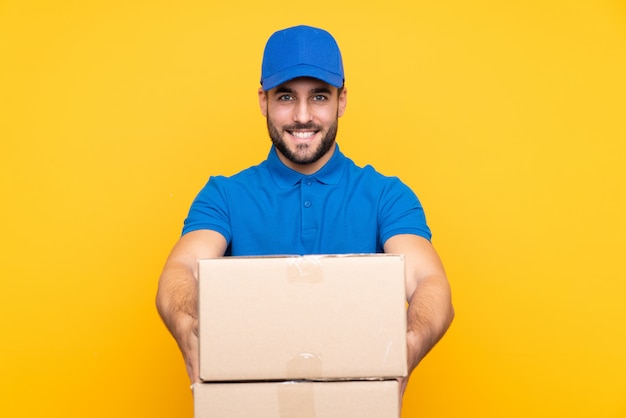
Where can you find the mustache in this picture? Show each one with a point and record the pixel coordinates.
(303, 127)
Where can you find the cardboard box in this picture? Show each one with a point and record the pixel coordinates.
(311, 317)
(301, 399)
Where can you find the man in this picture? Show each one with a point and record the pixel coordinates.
(306, 198)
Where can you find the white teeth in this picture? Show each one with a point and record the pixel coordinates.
(303, 135)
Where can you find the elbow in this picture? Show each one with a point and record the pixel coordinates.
(160, 302)
(451, 314)
(451, 310)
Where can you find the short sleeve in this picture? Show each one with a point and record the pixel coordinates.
(209, 210)
(400, 212)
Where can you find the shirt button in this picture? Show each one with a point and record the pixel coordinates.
(307, 204)
(309, 182)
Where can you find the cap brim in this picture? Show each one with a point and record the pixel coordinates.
(283, 76)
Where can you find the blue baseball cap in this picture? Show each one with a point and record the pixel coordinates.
(301, 51)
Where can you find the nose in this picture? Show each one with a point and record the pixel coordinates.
(302, 112)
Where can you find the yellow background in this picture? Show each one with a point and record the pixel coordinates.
(507, 118)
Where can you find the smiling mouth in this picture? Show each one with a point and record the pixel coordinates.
(303, 131)
(302, 134)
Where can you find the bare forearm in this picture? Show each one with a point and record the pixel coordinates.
(177, 304)
(429, 315)
(178, 285)
(177, 296)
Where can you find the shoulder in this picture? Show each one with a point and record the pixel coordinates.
(368, 175)
(255, 174)
(367, 171)
(253, 171)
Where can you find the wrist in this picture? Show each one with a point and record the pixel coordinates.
(415, 349)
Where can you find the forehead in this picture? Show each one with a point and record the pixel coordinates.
(304, 85)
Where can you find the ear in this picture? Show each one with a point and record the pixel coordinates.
(342, 102)
(263, 101)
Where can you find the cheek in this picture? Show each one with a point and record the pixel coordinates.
(328, 116)
(278, 115)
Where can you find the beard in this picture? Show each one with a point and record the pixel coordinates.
(304, 153)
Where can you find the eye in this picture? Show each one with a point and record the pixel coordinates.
(285, 98)
(319, 98)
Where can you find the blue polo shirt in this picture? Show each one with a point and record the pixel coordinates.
(270, 209)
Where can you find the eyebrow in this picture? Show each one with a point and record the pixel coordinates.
(316, 90)
(320, 90)
(283, 89)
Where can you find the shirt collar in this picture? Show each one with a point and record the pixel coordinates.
(285, 177)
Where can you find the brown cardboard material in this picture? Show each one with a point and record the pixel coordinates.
(310, 317)
(297, 399)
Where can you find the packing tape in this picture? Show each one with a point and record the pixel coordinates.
(304, 365)
(296, 400)
(307, 269)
